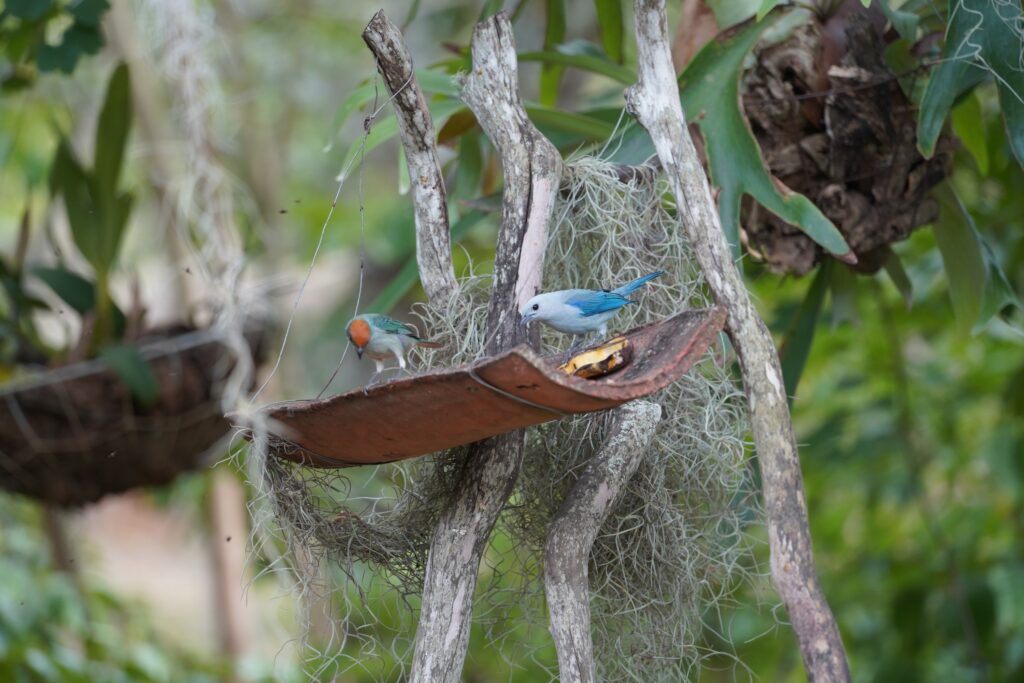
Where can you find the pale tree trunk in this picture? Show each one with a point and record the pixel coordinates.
(654, 100)
(574, 528)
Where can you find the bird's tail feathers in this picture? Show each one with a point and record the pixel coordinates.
(636, 284)
(429, 344)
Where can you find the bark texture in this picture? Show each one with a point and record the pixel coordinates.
(532, 168)
(573, 530)
(416, 130)
(655, 103)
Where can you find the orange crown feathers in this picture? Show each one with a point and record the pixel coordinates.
(359, 333)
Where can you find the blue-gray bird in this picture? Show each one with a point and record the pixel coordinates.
(581, 311)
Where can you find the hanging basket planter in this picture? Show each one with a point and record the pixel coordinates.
(71, 435)
(518, 388)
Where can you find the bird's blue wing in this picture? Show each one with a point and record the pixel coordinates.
(592, 303)
(392, 326)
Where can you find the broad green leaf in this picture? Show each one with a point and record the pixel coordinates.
(84, 212)
(894, 268)
(112, 130)
(969, 126)
(597, 65)
(73, 289)
(978, 288)
(610, 22)
(767, 6)
(554, 34)
(408, 276)
(710, 95)
(133, 370)
(983, 38)
(77, 41)
(797, 345)
(76, 292)
(581, 125)
(865, 3)
(89, 12)
(29, 10)
(470, 167)
(843, 287)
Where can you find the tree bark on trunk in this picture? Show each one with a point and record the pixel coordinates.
(654, 100)
(574, 528)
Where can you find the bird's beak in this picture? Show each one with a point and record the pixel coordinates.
(359, 352)
(525, 320)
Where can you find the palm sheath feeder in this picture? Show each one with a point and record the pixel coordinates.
(518, 388)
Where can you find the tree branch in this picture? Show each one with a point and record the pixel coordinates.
(532, 169)
(655, 102)
(573, 530)
(416, 130)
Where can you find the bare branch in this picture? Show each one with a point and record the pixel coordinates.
(532, 168)
(655, 103)
(573, 530)
(416, 130)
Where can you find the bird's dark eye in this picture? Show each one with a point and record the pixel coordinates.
(536, 306)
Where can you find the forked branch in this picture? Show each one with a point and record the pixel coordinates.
(654, 100)
(532, 168)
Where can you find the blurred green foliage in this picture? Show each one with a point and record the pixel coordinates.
(54, 629)
(46, 35)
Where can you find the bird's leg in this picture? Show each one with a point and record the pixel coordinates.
(572, 349)
(379, 364)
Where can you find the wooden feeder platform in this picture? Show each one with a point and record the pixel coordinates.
(447, 408)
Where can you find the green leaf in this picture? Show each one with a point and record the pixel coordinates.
(490, 8)
(84, 213)
(710, 95)
(894, 268)
(581, 125)
(983, 38)
(77, 41)
(387, 128)
(112, 130)
(133, 370)
(89, 12)
(767, 6)
(29, 10)
(554, 34)
(408, 276)
(403, 172)
(978, 288)
(904, 22)
(76, 292)
(843, 287)
(591, 63)
(797, 346)
(969, 126)
(610, 22)
(470, 167)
